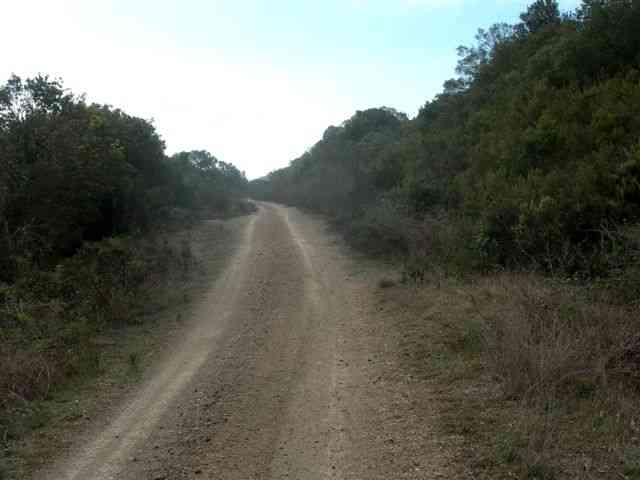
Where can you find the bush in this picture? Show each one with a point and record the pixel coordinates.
(381, 230)
(48, 319)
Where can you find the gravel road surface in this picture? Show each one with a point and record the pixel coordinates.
(279, 375)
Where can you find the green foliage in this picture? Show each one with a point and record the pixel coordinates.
(50, 320)
(533, 150)
(74, 172)
(540, 14)
(379, 231)
(346, 169)
(203, 180)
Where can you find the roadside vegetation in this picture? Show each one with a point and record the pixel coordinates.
(94, 221)
(513, 200)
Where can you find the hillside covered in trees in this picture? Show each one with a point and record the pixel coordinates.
(529, 158)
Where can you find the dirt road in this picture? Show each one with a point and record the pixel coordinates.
(280, 374)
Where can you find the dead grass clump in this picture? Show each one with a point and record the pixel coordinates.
(540, 377)
(544, 336)
(571, 365)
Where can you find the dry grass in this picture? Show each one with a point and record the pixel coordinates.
(541, 336)
(540, 377)
(55, 326)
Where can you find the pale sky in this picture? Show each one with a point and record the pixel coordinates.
(254, 82)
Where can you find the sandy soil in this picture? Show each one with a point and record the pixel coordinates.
(286, 369)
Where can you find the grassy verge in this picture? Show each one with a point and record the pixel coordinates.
(539, 378)
(92, 325)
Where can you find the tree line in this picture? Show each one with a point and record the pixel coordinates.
(74, 172)
(529, 158)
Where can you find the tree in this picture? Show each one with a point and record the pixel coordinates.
(472, 59)
(73, 173)
(540, 14)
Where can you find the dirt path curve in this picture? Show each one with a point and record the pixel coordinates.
(274, 378)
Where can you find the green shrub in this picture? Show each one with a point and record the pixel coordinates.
(381, 230)
(49, 318)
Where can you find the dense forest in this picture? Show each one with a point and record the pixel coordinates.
(86, 192)
(529, 159)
